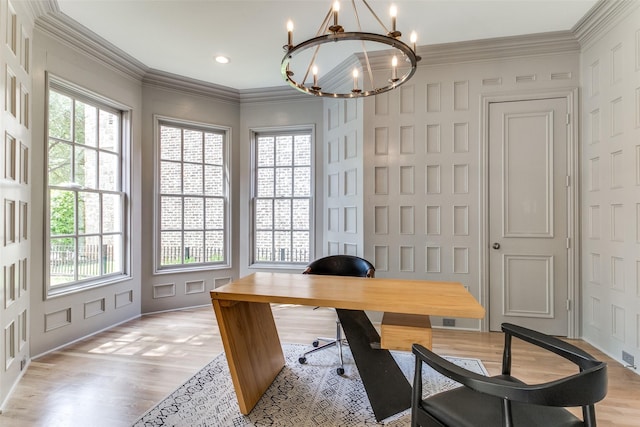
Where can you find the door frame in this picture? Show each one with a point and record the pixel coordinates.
(573, 196)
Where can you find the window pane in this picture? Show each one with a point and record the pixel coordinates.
(282, 214)
(86, 167)
(112, 254)
(284, 182)
(302, 182)
(301, 214)
(214, 246)
(193, 247)
(170, 178)
(264, 245)
(300, 246)
(282, 245)
(60, 108)
(62, 261)
(170, 143)
(171, 247)
(86, 125)
(88, 213)
(215, 214)
(109, 171)
(89, 257)
(213, 181)
(171, 213)
(193, 213)
(192, 179)
(302, 147)
(265, 152)
(59, 162)
(213, 148)
(109, 131)
(264, 214)
(192, 146)
(265, 183)
(284, 151)
(62, 207)
(111, 213)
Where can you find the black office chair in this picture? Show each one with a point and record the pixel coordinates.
(503, 400)
(336, 265)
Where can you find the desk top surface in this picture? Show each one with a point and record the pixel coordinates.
(355, 293)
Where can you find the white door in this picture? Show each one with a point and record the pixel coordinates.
(528, 215)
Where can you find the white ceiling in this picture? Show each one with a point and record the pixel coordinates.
(183, 36)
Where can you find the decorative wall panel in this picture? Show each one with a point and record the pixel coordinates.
(617, 322)
(432, 219)
(333, 116)
(461, 95)
(526, 302)
(433, 98)
(23, 330)
(594, 174)
(617, 119)
(432, 261)
(333, 186)
(351, 249)
(351, 182)
(595, 268)
(617, 64)
(24, 164)
(10, 157)
(433, 179)
(460, 260)
(333, 151)
(461, 137)
(407, 258)
(381, 258)
(528, 78)
(122, 299)
(594, 222)
(617, 273)
(10, 278)
(351, 219)
(407, 142)
(381, 219)
(407, 179)
(219, 281)
(433, 138)
(461, 220)
(382, 141)
(407, 220)
(617, 169)
(617, 223)
(9, 222)
(595, 318)
(350, 110)
(9, 344)
(594, 120)
(381, 180)
(164, 290)
(594, 81)
(57, 319)
(351, 145)
(194, 287)
(333, 248)
(407, 99)
(492, 81)
(94, 308)
(333, 217)
(382, 104)
(460, 179)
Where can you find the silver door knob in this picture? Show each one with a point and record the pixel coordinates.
(496, 246)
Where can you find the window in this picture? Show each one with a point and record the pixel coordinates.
(192, 202)
(282, 203)
(86, 202)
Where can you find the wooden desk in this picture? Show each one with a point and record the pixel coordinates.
(248, 330)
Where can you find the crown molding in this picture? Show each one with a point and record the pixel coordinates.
(164, 80)
(271, 94)
(71, 33)
(551, 43)
(38, 8)
(603, 16)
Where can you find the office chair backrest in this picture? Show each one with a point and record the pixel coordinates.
(341, 265)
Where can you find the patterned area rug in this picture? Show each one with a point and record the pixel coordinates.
(301, 396)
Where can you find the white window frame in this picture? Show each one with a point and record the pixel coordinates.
(86, 96)
(158, 121)
(275, 131)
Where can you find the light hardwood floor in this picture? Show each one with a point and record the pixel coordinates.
(112, 378)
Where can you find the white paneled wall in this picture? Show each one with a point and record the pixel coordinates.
(424, 176)
(610, 70)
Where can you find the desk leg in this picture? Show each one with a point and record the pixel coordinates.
(252, 347)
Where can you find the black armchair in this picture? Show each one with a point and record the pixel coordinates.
(336, 265)
(504, 400)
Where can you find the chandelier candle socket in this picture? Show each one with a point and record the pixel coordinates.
(334, 48)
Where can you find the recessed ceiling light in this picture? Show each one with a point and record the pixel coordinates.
(222, 59)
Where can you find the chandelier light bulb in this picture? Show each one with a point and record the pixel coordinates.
(393, 11)
(355, 79)
(290, 33)
(314, 70)
(394, 68)
(414, 39)
(336, 9)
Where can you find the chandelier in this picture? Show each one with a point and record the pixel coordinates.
(355, 51)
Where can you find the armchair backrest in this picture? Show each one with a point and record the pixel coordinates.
(341, 265)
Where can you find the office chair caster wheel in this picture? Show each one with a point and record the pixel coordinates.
(302, 360)
(315, 343)
(340, 371)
